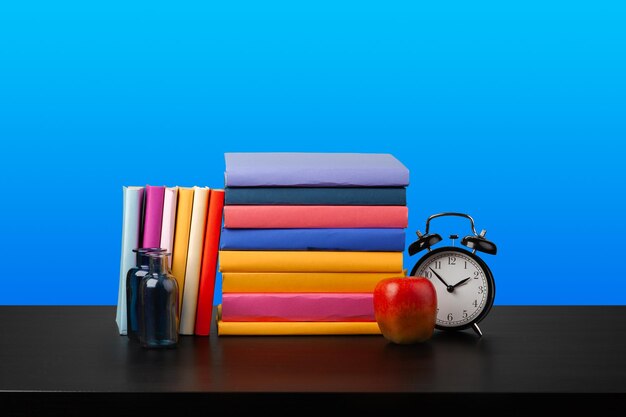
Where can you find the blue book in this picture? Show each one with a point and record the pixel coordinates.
(326, 196)
(370, 240)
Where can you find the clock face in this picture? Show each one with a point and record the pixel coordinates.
(464, 286)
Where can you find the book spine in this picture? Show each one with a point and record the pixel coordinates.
(194, 259)
(132, 211)
(311, 328)
(181, 239)
(356, 196)
(298, 307)
(361, 239)
(239, 282)
(277, 217)
(169, 220)
(314, 170)
(206, 290)
(310, 261)
(153, 216)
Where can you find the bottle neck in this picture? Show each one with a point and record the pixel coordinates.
(143, 261)
(158, 264)
(142, 258)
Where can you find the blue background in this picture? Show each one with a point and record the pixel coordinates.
(513, 112)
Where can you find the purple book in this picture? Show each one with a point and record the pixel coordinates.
(301, 169)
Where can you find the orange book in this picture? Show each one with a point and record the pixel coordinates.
(206, 290)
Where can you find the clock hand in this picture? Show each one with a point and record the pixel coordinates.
(441, 279)
(463, 281)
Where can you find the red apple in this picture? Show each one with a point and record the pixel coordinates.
(405, 309)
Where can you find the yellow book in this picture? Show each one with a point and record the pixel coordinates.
(197, 225)
(303, 281)
(309, 261)
(304, 328)
(293, 328)
(181, 239)
(296, 328)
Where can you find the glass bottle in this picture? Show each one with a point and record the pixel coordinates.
(159, 316)
(133, 278)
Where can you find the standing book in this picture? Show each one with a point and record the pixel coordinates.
(194, 260)
(153, 217)
(169, 220)
(206, 290)
(181, 238)
(132, 204)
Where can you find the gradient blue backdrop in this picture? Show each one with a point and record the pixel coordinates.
(513, 112)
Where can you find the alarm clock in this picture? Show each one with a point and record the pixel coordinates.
(464, 283)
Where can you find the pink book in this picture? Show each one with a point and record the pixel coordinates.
(302, 217)
(153, 216)
(170, 201)
(325, 306)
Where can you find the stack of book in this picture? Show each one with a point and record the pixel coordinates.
(306, 238)
(187, 222)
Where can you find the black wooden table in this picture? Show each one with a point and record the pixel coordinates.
(70, 360)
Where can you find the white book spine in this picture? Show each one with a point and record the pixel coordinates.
(132, 203)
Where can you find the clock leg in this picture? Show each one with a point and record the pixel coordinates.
(477, 329)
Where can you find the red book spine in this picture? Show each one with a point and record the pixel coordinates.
(302, 217)
(206, 289)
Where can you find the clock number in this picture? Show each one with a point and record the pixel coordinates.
(480, 289)
(428, 274)
(475, 303)
(450, 318)
(437, 265)
(465, 264)
(464, 314)
(451, 260)
(476, 273)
